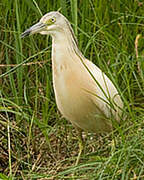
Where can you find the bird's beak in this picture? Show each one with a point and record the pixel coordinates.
(36, 28)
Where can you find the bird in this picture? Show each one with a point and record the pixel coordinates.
(84, 94)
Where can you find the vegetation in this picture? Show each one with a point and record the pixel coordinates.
(35, 141)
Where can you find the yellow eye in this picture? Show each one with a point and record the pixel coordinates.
(53, 20)
(50, 21)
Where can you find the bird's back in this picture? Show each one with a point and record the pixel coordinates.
(109, 99)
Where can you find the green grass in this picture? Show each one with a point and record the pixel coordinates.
(35, 141)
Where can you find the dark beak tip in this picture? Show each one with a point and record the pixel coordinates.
(24, 34)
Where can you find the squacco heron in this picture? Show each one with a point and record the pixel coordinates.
(84, 94)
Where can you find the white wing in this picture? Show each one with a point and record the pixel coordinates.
(106, 94)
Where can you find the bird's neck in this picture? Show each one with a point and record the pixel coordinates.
(64, 49)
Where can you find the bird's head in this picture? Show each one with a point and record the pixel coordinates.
(50, 23)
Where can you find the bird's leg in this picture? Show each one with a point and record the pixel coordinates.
(113, 145)
(81, 145)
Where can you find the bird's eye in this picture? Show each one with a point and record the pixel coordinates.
(50, 21)
(53, 20)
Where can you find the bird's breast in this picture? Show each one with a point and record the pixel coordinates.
(68, 90)
(74, 102)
